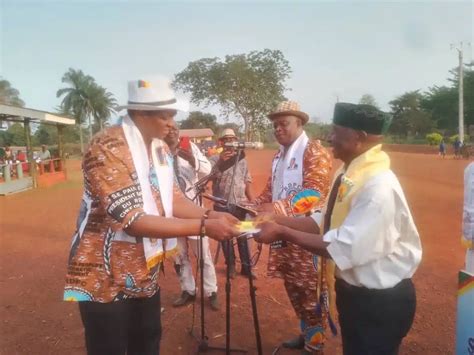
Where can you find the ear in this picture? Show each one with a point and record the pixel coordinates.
(362, 136)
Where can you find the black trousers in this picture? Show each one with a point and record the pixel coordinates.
(374, 322)
(131, 326)
(242, 244)
(243, 251)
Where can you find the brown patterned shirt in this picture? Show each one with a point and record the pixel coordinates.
(105, 264)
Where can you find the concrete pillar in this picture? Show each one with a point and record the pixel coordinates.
(7, 173)
(19, 170)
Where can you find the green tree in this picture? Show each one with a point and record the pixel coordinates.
(45, 134)
(248, 86)
(318, 130)
(368, 99)
(408, 116)
(103, 104)
(85, 99)
(198, 119)
(16, 135)
(5, 138)
(434, 138)
(442, 103)
(9, 95)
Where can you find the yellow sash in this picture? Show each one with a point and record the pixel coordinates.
(359, 171)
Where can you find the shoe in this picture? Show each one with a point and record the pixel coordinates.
(295, 343)
(246, 274)
(214, 301)
(184, 299)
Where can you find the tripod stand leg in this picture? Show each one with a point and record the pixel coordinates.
(253, 300)
(201, 269)
(227, 302)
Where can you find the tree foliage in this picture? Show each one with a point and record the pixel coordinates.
(434, 138)
(245, 85)
(85, 100)
(197, 119)
(9, 95)
(14, 135)
(45, 134)
(408, 116)
(368, 99)
(319, 131)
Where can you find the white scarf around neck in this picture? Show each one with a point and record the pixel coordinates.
(162, 179)
(287, 170)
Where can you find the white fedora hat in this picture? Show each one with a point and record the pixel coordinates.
(153, 95)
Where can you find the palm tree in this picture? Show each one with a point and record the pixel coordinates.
(85, 99)
(103, 104)
(75, 100)
(9, 95)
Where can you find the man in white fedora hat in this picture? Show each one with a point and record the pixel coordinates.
(131, 213)
(299, 164)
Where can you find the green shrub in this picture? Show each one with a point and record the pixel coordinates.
(452, 139)
(434, 138)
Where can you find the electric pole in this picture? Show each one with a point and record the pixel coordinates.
(461, 92)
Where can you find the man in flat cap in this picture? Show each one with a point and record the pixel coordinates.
(368, 230)
(299, 164)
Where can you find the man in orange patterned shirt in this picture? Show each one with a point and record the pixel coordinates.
(124, 231)
(299, 164)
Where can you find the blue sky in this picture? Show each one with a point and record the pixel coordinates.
(335, 48)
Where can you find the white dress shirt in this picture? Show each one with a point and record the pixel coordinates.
(377, 245)
(189, 175)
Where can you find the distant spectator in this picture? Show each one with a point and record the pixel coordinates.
(8, 155)
(45, 155)
(457, 148)
(21, 158)
(442, 148)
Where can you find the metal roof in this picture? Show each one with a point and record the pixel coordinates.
(14, 113)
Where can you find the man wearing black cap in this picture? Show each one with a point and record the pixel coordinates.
(368, 230)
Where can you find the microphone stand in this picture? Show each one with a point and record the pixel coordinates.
(240, 213)
(203, 341)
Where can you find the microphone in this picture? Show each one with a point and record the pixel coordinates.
(222, 165)
(244, 145)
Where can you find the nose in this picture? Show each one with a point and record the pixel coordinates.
(170, 122)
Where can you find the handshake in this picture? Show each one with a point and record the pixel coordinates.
(267, 227)
(263, 227)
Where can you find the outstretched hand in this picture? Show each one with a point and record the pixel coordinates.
(224, 216)
(269, 232)
(220, 229)
(263, 217)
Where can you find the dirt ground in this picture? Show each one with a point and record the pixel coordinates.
(36, 228)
